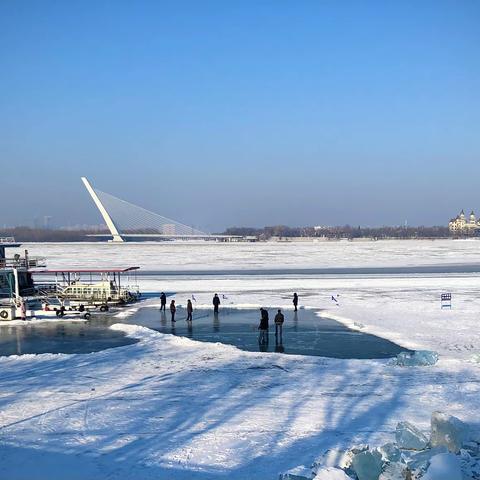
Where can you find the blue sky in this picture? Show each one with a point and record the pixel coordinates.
(242, 112)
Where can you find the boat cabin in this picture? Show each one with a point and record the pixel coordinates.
(15, 278)
(96, 287)
(16, 281)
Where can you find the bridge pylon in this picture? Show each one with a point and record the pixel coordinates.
(116, 237)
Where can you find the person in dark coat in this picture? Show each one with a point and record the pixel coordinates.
(163, 301)
(216, 303)
(263, 327)
(279, 319)
(295, 301)
(189, 310)
(173, 309)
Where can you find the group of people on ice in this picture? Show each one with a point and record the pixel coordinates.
(264, 318)
(278, 320)
(189, 308)
(263, 327)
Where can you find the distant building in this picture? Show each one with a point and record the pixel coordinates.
(460, 224)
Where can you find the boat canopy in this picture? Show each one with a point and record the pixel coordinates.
(93, 270)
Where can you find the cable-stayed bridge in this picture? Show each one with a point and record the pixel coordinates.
(126, 220)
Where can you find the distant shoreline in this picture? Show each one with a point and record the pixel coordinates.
(262, 242)
(278, 233)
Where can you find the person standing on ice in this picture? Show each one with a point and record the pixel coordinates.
(189, 310)
(163, 301)
(216, 303)
(263, 327)
(173, 309)
(295, 301)
(279, 319)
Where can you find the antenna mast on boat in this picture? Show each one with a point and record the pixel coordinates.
(108, 220)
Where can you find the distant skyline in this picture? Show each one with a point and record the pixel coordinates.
(251, 113)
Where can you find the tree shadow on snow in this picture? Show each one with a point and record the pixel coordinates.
(249, 417)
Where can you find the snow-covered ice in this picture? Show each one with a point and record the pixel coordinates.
(331, 473)
(275, 255)
(170, 408)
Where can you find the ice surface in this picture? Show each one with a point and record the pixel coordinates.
(367, 465)
(444, 466)
(410, 437)
(418, 358)
(331, 473)
(448, 430)
(297, 473)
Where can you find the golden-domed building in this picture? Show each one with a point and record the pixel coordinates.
(460, 224)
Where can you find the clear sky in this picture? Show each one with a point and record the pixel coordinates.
(241, 112)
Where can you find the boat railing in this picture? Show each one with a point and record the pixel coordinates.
(7, 240)
(22, 262)
(86, 293)
(46, 289)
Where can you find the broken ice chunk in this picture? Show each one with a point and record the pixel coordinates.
(418, 358)
(449, 431)
(419, 461)
(444, 466)
(367, 465)
(297, 473)
(336, 458)
(394, 471)
(410, 437)
(390, 452)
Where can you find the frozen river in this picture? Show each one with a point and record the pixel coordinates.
(191, 256)
(170, 407)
